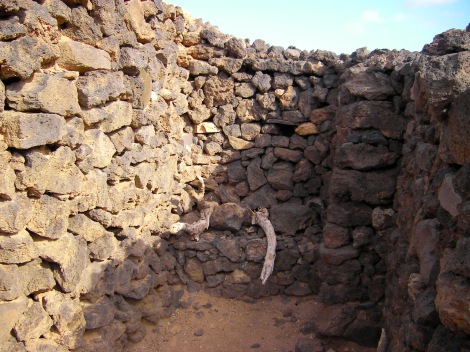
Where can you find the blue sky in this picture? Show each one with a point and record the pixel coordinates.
(340, 26)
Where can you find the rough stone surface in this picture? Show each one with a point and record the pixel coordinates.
(23, 56)
(77, 56)
(47, 93)
(27, 130)
(119, 119)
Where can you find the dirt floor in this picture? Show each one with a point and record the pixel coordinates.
(214, 324)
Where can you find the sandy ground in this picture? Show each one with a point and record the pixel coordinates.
(213, 324)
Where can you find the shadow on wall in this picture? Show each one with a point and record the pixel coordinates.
(120, 119)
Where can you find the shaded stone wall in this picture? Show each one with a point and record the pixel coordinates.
(112, 112)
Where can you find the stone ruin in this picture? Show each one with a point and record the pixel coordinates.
(111, 114)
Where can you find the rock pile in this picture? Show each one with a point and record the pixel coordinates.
(111, 114)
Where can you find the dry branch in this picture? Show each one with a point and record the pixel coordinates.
(261, 218)
(194, 230)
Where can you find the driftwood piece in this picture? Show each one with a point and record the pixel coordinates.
(383, 342)
(194, 230)
(261, 218)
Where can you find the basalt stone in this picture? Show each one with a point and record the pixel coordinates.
(290, 217)
(368, 83)
(364, 156)
(230, 248)
(298, 289)
(263, 197)
(456, 128)
(335, 236)
(280, 176)
(256, 249)
(228, 216)
(349, 214)
(307, 344)
(371, 187)
(372, 114)
(337, 256)
(451, 41)
(440, 80)
(288, 154)
(303, 171)
(256, 177)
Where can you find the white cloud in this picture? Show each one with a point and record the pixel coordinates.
(429, 2)
(400, 16)
(372, 16)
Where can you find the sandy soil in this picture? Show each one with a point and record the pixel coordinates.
(213, 324)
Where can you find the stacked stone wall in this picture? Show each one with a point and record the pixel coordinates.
(121, 118)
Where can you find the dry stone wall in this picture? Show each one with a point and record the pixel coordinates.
(120, 118)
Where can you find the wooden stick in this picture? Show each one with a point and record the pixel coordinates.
(261, 218)
(383, 342)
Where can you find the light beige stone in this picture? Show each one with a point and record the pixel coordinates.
(92, 277)
(206, 127)
(33, 323)
(122, 139)
(49, 217)
(36, 277)
(2, 96)
(17, 249)
(102, 149)
(135, 18)
(15, 214)
(11, 312)
(111, 116)
(46, 93)
(7, 177)
(70, 253)
(26, 130)
(240, 144)
(67, 315)
(43, 345)
(10, 286)
(55, 172)
(76, 56)
(306, 129)
(94, 193)
(82, 225)
(98, 87)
